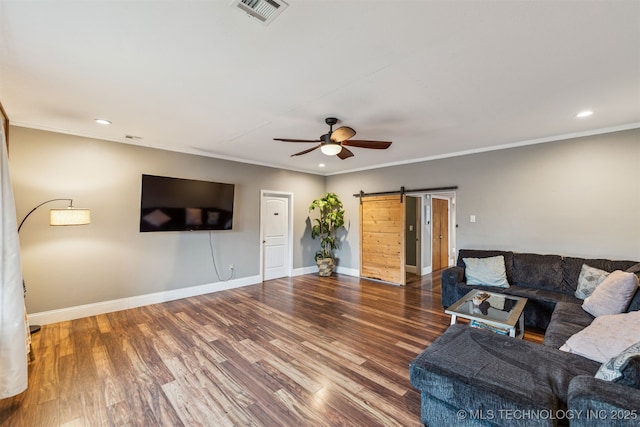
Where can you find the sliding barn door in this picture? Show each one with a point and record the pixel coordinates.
(382, 238)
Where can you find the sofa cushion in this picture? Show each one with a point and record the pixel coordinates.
(634, 305)
(567, 319)
(624, 368)
(541, 294)
(589, 279)
(496, 365)
(605, 337)
(635, 301)
(613, 295)
(631, 373)
(488, 271)
(635, 268)
(538, 271)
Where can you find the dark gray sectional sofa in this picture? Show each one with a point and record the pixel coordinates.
(544, 279)
(475, 377)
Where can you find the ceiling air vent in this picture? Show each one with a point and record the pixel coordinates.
(263, 10)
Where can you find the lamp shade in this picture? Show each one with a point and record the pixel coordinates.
(70, 216)
(330, 148)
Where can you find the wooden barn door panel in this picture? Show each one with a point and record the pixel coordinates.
(382, 238)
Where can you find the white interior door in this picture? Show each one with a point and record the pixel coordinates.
(275, 237)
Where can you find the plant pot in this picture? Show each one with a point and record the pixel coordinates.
(325, 266)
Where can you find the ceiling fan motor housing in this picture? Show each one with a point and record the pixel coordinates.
(331, 121)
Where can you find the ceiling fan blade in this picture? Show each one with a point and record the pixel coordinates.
(342, 134)
(361, 143)
(296, 140)
(345, 153)
(307, 151)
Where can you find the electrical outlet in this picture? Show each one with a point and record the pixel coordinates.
(231, 267)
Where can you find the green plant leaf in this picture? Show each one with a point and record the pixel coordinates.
(331, 218)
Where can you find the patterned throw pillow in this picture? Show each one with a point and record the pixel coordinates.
(623, 368)
(588, 280)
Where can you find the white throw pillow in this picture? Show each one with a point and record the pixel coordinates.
(613, 295)
(588, 281)
(606, 337)
(486, 271)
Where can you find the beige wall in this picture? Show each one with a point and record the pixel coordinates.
(577, 197)
(110, 259)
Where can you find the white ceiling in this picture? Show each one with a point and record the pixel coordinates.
(434, 77)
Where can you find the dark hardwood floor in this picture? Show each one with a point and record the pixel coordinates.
(299, 351)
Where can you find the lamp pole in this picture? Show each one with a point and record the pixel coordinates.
(43, 203)
(35, 328)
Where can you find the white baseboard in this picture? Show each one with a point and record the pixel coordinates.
(314, 269)
(348, 271)
(77, 312)
(70, 313)
(426, 270)
(304, 270)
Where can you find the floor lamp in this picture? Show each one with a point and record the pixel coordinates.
(68, 216)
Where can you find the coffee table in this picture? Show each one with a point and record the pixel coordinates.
(497, 312)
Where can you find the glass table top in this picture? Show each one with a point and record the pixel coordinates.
(488, 306)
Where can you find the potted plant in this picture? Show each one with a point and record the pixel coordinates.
(325, 227)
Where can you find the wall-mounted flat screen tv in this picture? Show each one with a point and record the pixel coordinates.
(176, 204)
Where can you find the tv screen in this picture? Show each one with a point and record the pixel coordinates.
(175, 204)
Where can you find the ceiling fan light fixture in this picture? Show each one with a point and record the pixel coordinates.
(335, 142)
(331, 148)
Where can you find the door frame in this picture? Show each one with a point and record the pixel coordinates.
(283, 195)
(450, 198)
(426, 231)
(417, 269)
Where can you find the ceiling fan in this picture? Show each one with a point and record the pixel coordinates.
(335, 142)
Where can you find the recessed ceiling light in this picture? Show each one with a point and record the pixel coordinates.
(103, 121)
(585, 113)
(321, 165)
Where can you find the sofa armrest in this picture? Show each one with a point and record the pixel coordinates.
(451, 277)
(595, 402)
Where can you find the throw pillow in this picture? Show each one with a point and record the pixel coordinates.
(613, 295)
(623, 368)
(606, 337)
(588, 280)
(486, 271)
